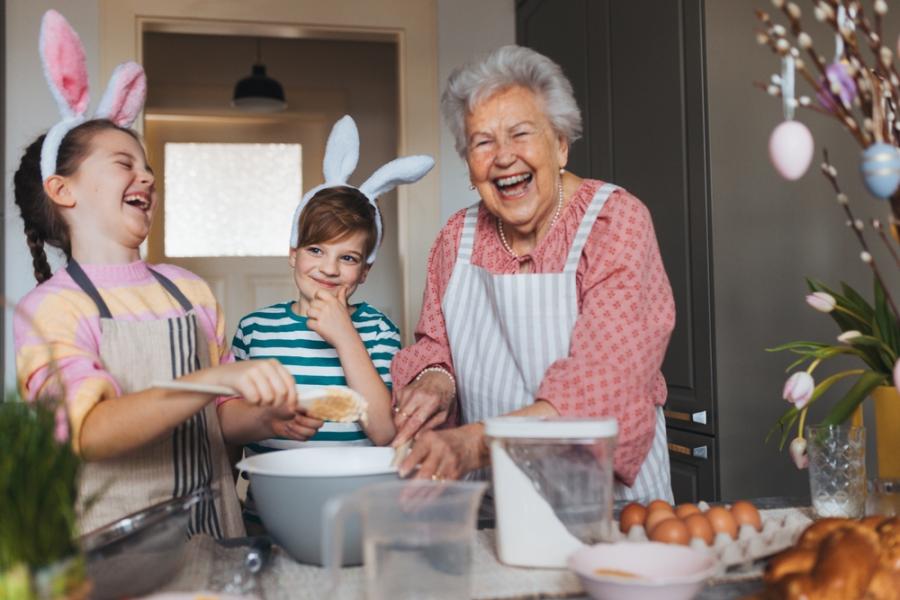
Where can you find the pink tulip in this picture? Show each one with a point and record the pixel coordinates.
(798, 389)
(61, 433)
(798, 453)
(821, 301)
(897, 374)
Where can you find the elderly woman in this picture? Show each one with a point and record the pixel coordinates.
(547, 298)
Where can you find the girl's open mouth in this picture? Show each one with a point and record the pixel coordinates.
(139, 201)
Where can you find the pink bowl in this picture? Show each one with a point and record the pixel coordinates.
(664, 571)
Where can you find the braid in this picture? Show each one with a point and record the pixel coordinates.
(38, 256)
(33, 205)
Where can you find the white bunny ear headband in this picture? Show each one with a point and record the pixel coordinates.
(341, 156)
(65, 68)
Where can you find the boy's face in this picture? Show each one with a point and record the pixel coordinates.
(329, 266)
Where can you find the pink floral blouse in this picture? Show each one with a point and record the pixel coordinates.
(626, 316)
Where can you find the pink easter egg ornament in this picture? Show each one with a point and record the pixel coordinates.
(791, 149)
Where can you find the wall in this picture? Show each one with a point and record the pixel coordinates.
(466, 28)
(767, 235)
(30, 110)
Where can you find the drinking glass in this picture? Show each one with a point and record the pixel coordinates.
(837, 469)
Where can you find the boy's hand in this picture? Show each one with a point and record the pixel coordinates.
(329, 316)
(294, 424)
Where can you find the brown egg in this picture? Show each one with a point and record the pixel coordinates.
(746, 514)
(633, 514)
(722, 521)
(659, 505)
(699, 527)
(683, 511)
(671, 531)
(656, 517)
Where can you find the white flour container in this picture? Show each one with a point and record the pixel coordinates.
(553, 486)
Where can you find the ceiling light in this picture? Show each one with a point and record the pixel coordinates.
(258, 92)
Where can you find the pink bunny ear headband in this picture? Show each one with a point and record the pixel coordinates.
(341, 156)
(65, 68)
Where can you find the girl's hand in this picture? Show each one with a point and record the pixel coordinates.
(294, 424)
(329, 316)
(422, 405)
(264, 382)
(445, 454)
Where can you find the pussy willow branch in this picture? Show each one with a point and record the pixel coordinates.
(831, 174)
(879, 228)
(793, 13)
(779, 44)
(776, 93)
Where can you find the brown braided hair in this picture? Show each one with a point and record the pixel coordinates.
(43, 221)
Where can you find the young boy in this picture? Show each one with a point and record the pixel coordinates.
(320, 337)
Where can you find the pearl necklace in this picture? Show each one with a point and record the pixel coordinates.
(559, 203)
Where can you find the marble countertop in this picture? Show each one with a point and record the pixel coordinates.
(209, 564)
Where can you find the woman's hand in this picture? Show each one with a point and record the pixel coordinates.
(294, 424)
(329, 316)
(446, 454)
(423, 405)
(264, 382)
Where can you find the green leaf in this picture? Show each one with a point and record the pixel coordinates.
(885, 324)
(859, 304)
(841, 411)
(797, 345)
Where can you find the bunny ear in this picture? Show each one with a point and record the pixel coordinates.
(124, 96)
(341, 152)
(408, 169)
(64, 64)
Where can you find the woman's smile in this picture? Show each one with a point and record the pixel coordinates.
(513, 186)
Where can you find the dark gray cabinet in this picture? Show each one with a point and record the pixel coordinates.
(638, 70)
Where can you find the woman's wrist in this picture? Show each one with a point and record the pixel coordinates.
(439, 369)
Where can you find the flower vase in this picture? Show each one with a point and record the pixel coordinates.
(887, 431)
(837, 469)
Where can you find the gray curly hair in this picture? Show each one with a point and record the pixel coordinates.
(506, 67)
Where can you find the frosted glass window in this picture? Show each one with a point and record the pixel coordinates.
(230, 199)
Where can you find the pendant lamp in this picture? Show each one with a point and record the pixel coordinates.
(258, 92)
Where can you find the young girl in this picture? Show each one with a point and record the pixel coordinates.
(320, 337)
(102, 329)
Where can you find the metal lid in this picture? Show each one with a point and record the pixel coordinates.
(550, 428)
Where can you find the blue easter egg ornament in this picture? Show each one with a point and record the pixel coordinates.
(880, 169)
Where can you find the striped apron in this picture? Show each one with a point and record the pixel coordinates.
(522, 324)
(193, 457)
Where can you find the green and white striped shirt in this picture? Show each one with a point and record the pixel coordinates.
(277, 332)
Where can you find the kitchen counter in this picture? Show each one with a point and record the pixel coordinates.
(210, 566)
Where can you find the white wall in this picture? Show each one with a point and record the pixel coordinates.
(466, 28)
(30, 111)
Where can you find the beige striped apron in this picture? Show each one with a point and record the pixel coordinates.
(506, 330)
(193, 457)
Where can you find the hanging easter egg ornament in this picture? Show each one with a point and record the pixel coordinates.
(791, 143)
(881, 169)
(880, 165)
(838, 84)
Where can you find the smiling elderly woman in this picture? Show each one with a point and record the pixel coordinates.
(548, 297)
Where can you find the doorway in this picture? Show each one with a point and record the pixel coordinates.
(195, 141)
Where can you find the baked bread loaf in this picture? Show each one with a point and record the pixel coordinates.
(839, 559)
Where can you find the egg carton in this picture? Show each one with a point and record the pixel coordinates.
(780, 529)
